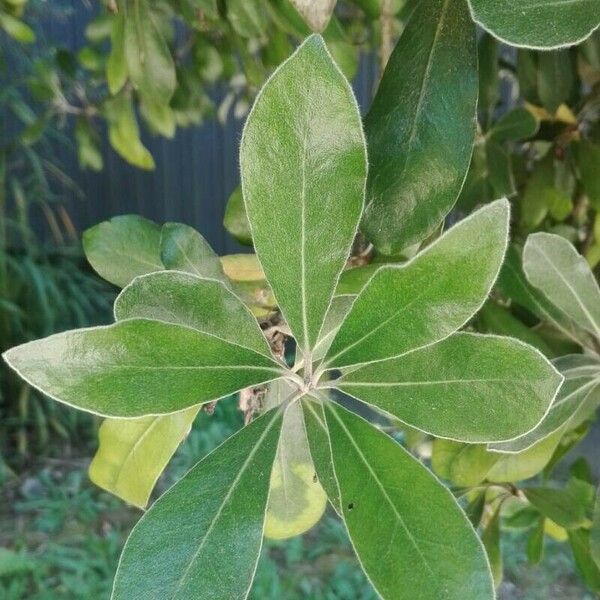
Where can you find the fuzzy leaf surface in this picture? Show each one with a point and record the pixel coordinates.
(407, 307)
(540, 24)
(207, 305)
(556, 269)
(296, 499)
(202, 538)
(303, 167)
(421, 126)
(138, 367)
(123, 248)
(407, 529)
(468, 387)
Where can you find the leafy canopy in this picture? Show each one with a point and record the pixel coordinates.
(183, 337)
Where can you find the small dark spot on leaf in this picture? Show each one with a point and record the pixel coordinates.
(315, 478)
(351, 506)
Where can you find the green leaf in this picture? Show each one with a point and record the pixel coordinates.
(88, 150)
(465, 465)
(555, 268)
(494, 318)
(191, 543)
(555, 78)
(303, 183)
(540, 24)
(595, 533)
(149, 61)
(420, 147)
(559, 505)
(340, 305)
(535, 543)
(17, 29)
(354, 280)
(588, 158)
(134, 452)
(526, 464)
(423, 301)
(468, 387)
(15, 563)
(408, 531)
(236, 219)
(318, 440)
(513, 283)
(184, 249)
(124, 133)
(296, 499)
(491, 543)
(579, 393)
(489, 88)
(138, 367)
(121, 249)
(206, 305)
(116, 65)
(316, 13)
(589, 570)
(246, 18)
(516, 125)
(500, 171)
(542, 196)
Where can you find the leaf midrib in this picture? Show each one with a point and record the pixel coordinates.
(385, 495)
(226, 499)
(571, 290)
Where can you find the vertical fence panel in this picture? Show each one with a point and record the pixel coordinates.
(195, 172)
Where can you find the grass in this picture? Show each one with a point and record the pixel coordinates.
(60, 538)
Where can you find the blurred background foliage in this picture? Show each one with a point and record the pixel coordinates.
(152, 67)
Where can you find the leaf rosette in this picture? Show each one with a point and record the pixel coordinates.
(185, 336)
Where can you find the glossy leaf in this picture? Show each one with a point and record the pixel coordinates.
(203, 304)
(555, 268)
(537, 23)
(303, 165)
(138, 367)
(123, 248)
(296, 499)
(579, 394)
(191, 543)
(134, 452)
(423, 301)
(184, 249)
(408, 531)
(468, 387)
(421, 126)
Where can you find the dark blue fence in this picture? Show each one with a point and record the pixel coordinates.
(195, 172)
